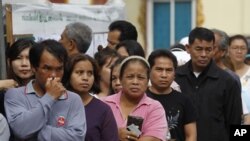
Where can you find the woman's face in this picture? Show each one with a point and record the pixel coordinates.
(21, 65)
(82, 77)
(237, 51)
(115, 81)
(134, 79)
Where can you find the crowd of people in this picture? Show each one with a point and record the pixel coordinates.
(56, 92)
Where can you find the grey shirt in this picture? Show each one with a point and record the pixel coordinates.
(4, 129)
(33, 118)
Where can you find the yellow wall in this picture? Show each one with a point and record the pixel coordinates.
(232, 16)
(132, 12)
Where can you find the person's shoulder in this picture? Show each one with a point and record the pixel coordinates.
(228, 76)
(72, 95)
(220, 73)
(183, 97)
(177, 93)
(183, 69)
(152, 102)
(179, 96)
(16, 92)
(110, 98)
(233, 74)
(72, 98)
(153, 107)
(102, 106)
(16, 89)
(99, 103)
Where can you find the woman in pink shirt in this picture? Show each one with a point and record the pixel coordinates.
(132, 101)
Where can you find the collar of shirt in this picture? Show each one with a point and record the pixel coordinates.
(211, 70)
(29, 89)
(116, 100)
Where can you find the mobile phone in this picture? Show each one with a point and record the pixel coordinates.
(134, 124)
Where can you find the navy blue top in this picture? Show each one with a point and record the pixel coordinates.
(101, 124)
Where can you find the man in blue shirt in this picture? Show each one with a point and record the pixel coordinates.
(43, 109)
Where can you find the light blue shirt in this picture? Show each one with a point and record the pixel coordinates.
(41, 118)
(4, 129)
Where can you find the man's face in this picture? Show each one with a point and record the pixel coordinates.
(218, 53)
(162, 74)
(65, 41)
(201, 53)
(113, 38)
(49, 67)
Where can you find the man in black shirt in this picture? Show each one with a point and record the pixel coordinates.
(214, 92)
(179, 109)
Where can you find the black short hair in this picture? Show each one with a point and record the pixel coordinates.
(201, 33)
(52, 46)
(104, 54)
(132, 47)
(127, 29)
(161, 53)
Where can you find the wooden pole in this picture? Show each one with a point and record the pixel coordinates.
(9, 25)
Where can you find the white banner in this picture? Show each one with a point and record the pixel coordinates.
(51, 18)
(48, 20)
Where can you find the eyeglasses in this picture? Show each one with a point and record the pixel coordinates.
(238, 48)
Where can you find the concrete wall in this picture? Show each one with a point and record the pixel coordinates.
(231, 16)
